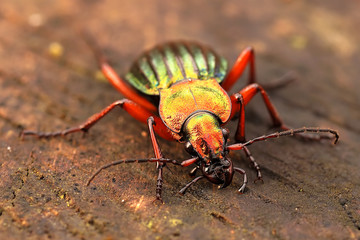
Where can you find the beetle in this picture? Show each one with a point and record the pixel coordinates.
(179, 89)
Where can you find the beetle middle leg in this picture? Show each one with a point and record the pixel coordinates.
(135, 110)
(239, 101)
(247, 57)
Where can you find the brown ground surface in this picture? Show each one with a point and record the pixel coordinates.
(311, 189)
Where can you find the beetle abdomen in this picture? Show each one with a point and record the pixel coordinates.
(169, 63)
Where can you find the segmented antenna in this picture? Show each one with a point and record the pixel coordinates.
(164, 160)
(290, 132)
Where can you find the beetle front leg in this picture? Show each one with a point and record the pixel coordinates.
(158, 155)
(243, 186)
(255, 165)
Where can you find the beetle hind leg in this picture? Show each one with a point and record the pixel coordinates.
(241, 99)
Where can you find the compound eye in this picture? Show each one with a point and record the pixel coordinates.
(226, 133)
(190, 149)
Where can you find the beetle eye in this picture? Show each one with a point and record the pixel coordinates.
(190, 149)
(226, 133)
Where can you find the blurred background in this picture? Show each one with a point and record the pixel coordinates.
(49, 80)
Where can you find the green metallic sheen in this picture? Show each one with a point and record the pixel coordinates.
(188, 62)
(201, 62)
(161, 71)
(174, 69)
(166, 64)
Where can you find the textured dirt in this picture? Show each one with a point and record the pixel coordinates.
(49, 80)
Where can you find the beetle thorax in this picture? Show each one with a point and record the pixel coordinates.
(204, 133)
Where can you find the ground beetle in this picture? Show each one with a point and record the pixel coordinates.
(179, 90)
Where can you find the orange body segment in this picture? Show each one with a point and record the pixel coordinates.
(179, 101)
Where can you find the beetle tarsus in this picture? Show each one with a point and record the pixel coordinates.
(243, 186)
(159, 181)
(259, 179)
(242, 189)
(45, 135)
(252, 160)
(158, 200)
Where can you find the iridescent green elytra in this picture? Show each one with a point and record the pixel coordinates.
(169, 63)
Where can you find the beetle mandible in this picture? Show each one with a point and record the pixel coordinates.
(180, 90)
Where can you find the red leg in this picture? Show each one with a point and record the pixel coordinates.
(135, 110)
(158, 155)
(114, 78)
(241, 99)
(245, 57)
(238, 106)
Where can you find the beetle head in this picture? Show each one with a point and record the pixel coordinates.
(207, 141)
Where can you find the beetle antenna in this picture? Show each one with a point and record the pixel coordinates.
(290, 132)
(163, 160)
